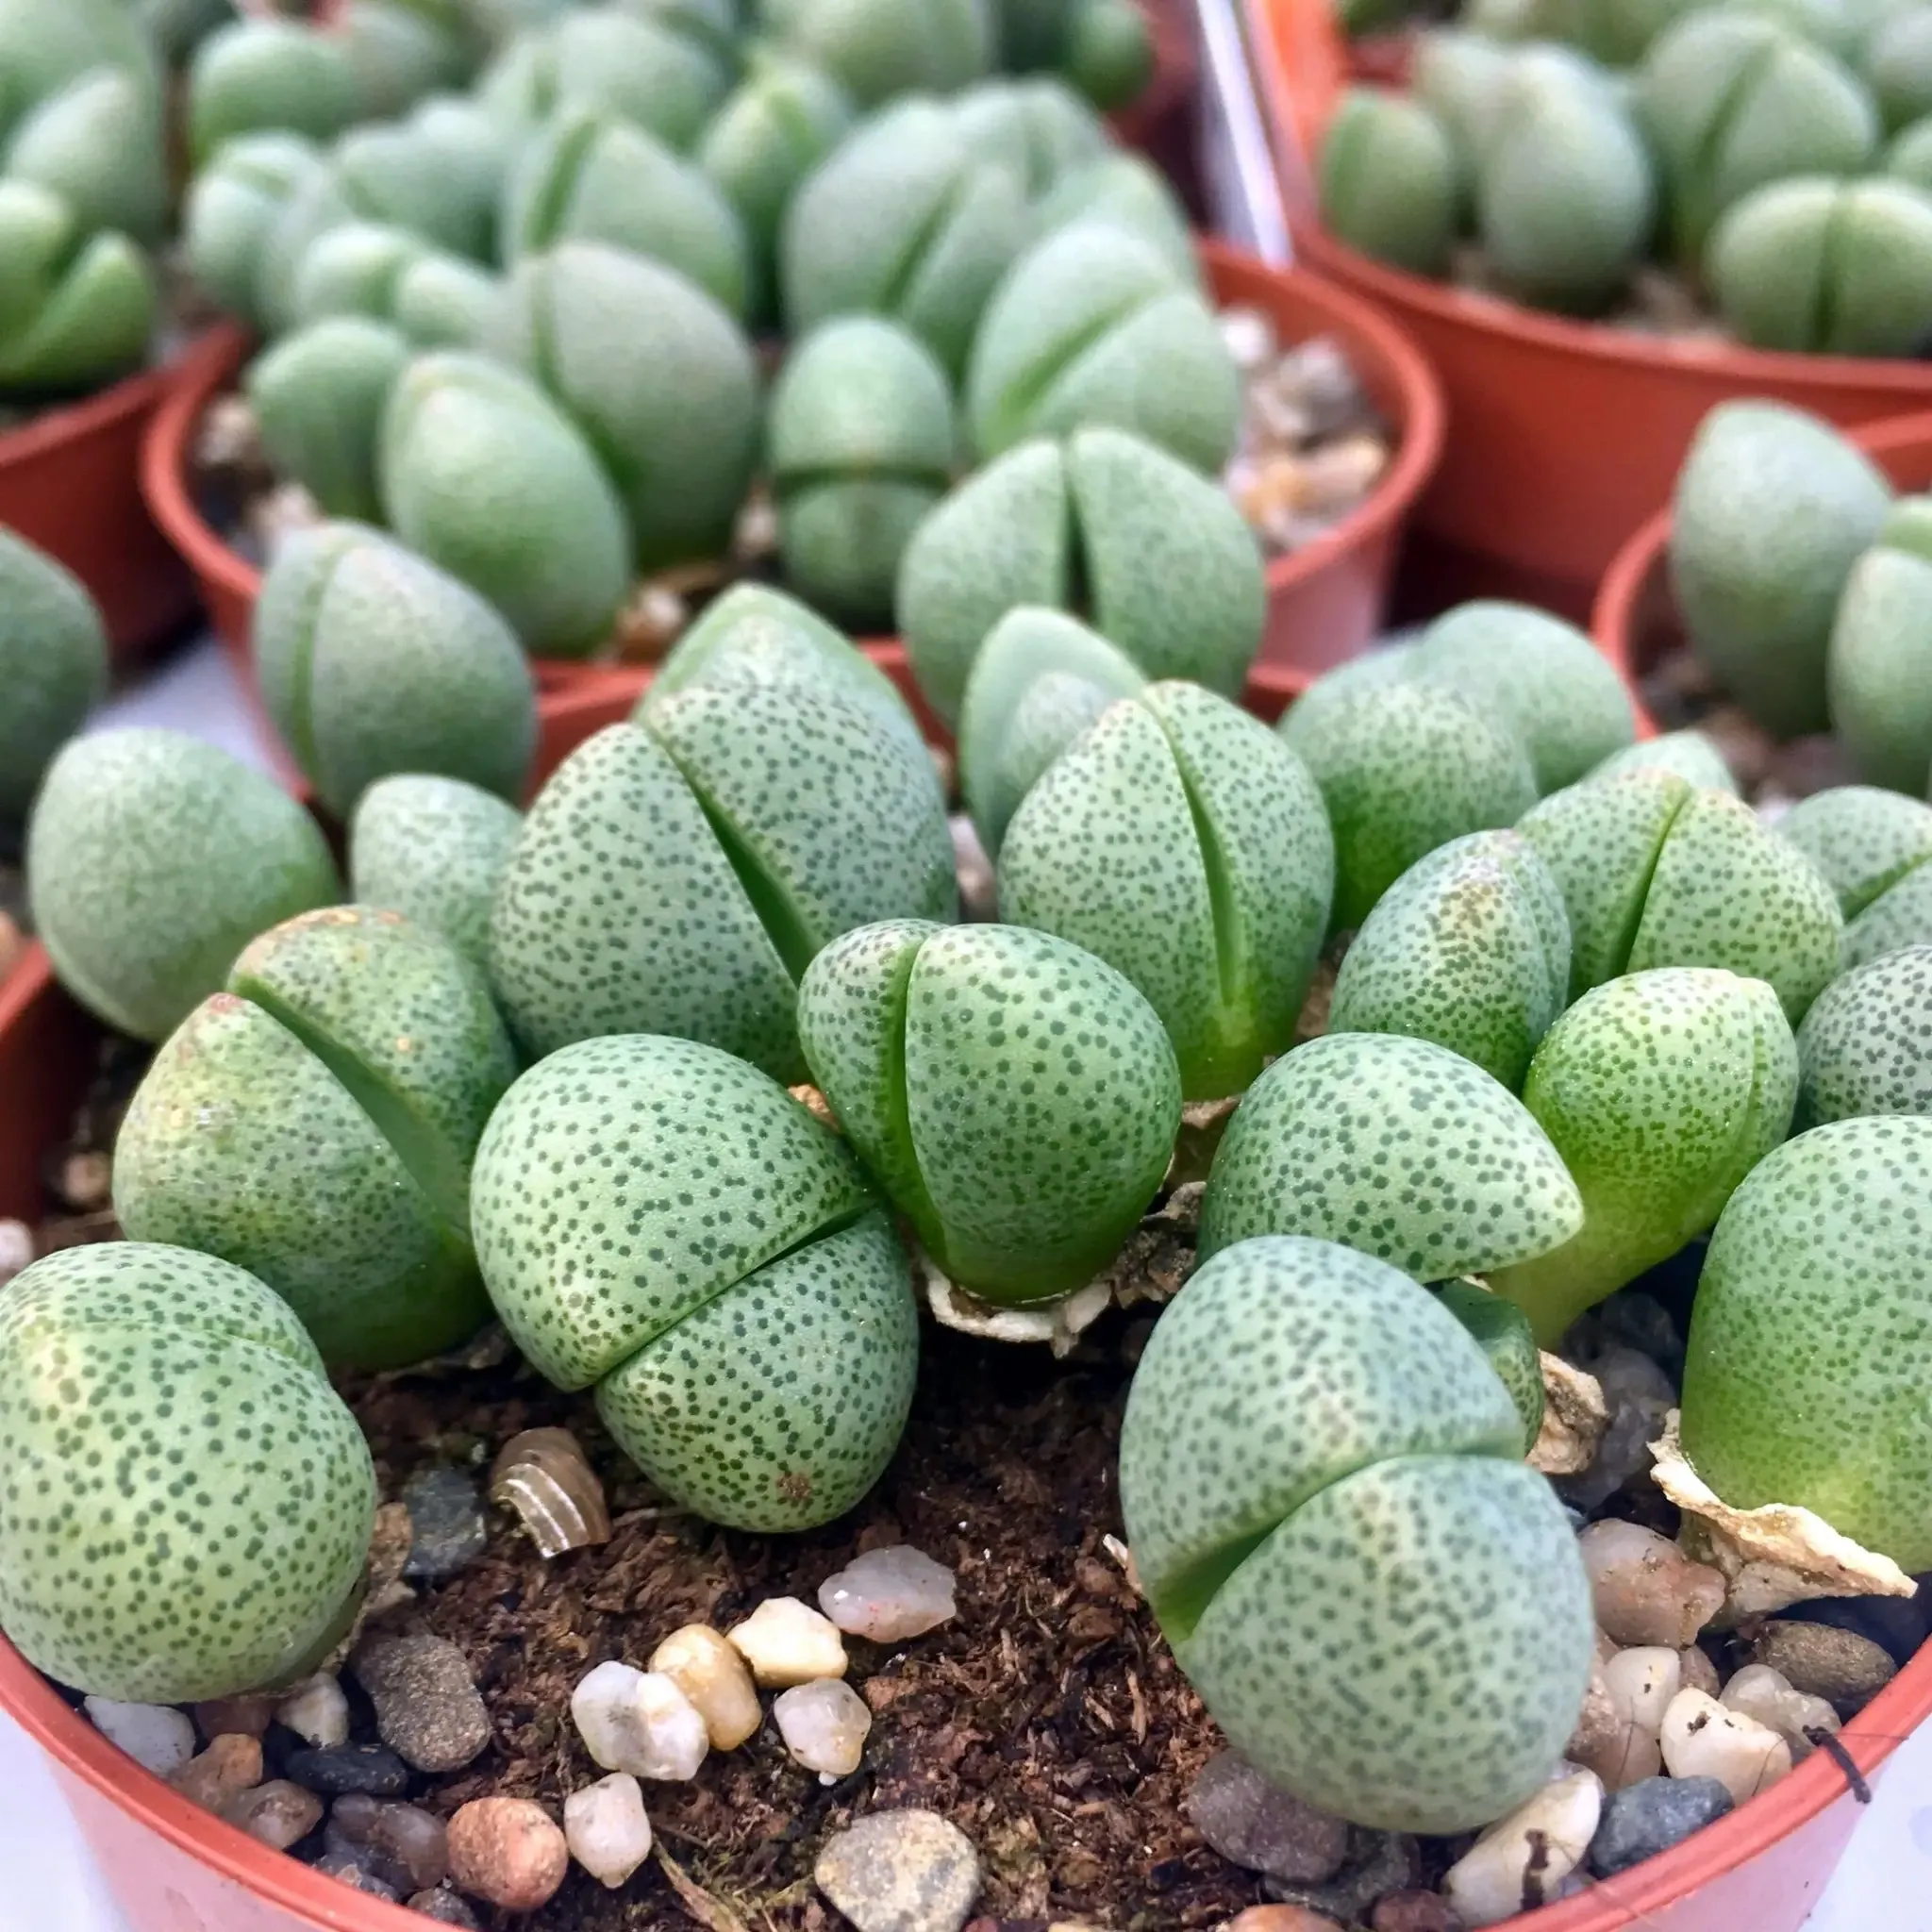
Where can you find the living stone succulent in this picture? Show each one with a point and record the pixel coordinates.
(860, 446)
(1072, 337)
(400, 50)
(1040, 129)
(359, 268)
(1871, 847)
(1180, 840)
(482, 474)
(1015, 1096)
(372, 661)
(152, 860)
(1322, 1478)
(266, 73)
(1689, 753)
(46, 43)
(877, 49)
(1389, 181)
(155, 1550)
(1896, 61)
(1129, 191)
(752, 1336)
(53, 666)
(97, 144)
(234, 201)
(318, 397)
(439, 173)
(1806, 1366)
(433, 849)
(1866, 1044)
(314, 1123)
(1155, 557)
(76, 310)
(1501, 1331)
(1878, 666)
(1771, 510)
(1102, 46)
(678, 873)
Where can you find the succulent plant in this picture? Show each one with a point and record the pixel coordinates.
(232, 205)
(1129, 191)
(1689, 753)
(97, 144)
(1040, 129)
(861, 446)
(1015, 1096)
(1320, 1472)
(1897, 65)
(53, 666)
(1158, 558)
(1469, 948)
(754, 1338)
(1870, 846)
(659, 378)
(432, 849)
(152, 860)
(1661, 1091)
(1389, 181)
(1501, 1331)
(1865, 1047)
(443, 301)
(161, 1550)
(1878, 666)
(482, 474)
(399, 51)
(678, 873)
(372, 661)
(1772, 507)
(1657, 872)
(376, 270)
(318, 397)
(76, 310)
(1072, 339)
(439, 173)
(1110, 52)
(46, 43)
(904, 220)
(314, 1123)
(1181, 841)
(1908, 157)
(266, 73)
(1804, 1378)
(1455, 76)
(877, 49)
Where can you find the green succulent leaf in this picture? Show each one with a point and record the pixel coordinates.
(1689, 755)
(1501, 1331)
(433, 849)
(1866, 1044)
(1863, 840)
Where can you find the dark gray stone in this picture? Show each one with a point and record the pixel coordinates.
(349, 1768)
(446, 1908)
(1825, 1661)
(448, 1528)
(428, 1709)
(1254, 1823)
(403, 1845)
(348, 1870)
(1650, 1817)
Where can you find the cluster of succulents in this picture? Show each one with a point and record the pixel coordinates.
(1779, 158)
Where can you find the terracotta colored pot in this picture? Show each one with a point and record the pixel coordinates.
(1563, 435)
(70, 483)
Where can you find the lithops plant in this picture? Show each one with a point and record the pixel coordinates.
(1181, 840)
(1155, 557)
(152, 860)
(232, 204)
(1389, 181)
(1878, 666)
(1661, 1091)
(1866, 1044)
(266, 73)
(1691, 755)
(1072, 337)
(1320, 1472)
(372, 661)
(439, 173)
(400, 50)
(97, 144)
(76, 310)
(360, 268)
(1128, 191)
(860, 446)
(434, 849)
(314, 1123)
(158, 1550)
(1501, 1331)
(1015, 1096)
(1807, 1368)
(878, 49)
(1871, 847)
(1040, 129)
(53, 666)
(754, 1338)
(678, 873)
(1771, 510)
(482, 474)
(318, 396)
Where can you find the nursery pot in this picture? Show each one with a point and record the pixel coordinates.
(1563, 435)
(70, 482)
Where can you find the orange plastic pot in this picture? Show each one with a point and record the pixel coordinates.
(70, 483)
(1563, 435)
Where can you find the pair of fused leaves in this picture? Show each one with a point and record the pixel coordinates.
(75, 308)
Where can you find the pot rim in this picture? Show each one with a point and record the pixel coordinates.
(67, 423)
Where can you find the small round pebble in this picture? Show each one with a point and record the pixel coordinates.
(638, 1722)
(1765, 1694)
(446, 1908)
(157, 1736)
(448, 1528)
(786, 1641)
(276, 1812)
(823, 1726)
(1521, 1862)
(1703, 1738)
(890, 1595)
(717, 1681)
(1413, 1911)
(402, 1845)
(246, 1717)
(346, 1868)
(428, 1709)
(1825, 1661)
(342, 1768)
(607, 1829)
(508, 1851)
(226, 1769)
(1700, 1674)
(1645, 1819)
(1646, 1589)
(1254, 1823)
(317, 1712)
(900, 1872)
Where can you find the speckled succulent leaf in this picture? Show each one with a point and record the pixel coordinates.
(1900, 917)
(1404, 768)
(222, 1581)
(318, 396)
(315, 202)
(1878, 670)
(1501, 1331)
(1806, 1376)
(439, 173)
(1908, 525)
(76, 310)
(776, 1406)
(441, 303)
(1863, 839)
(1397, 1147)
(53, 666)
(1724, 893)
(1308, 715)
(1661, 1090)
(1541, 677)
(1470, 948)
(433, 849)
(706, 1168)
(1129, 191)
(1183, 843)
(619, 912)
(399, 52)
(1293, 1544)
(1866, 1044)
(352, 270)
(1689, 755)
(266, 73)
(153, 858)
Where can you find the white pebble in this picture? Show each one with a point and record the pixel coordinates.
(890, 1595)
(1769, 1696)
(1523, 1860)
(823, 1726)
(317, 1712)
(786, 1641)
(706, 1668)
(1641, 1681)
(1704, 1739)
(1646, 1589)
(638, 1722)
(605, 1828)
(156, 1736)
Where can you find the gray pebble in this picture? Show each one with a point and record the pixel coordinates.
(901, 1871)
(278, 1812)
(1254, 1823)
(349, 1870)
(1378, 1862)
(349, 1768)
(446, 1908)
(428, 1710)
(404, 1846)
(1823, 1661)
(448, 1527)
(1650, 1817)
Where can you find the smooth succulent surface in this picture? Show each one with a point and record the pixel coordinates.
(1806, 1376)
(318, 396)
(53, 666)
(1866, 1044)
(1321, 1477)
(187, 1502)
(268, 73)
(231, 204)
(1015, 1096)
(432, 849)
(880, 48)
(1389, 180)
(1878, 670)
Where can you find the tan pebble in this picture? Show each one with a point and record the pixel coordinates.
(277, 1813)
(1338, 476)
(1703, 1738)
(228, 1767)
(1699, 1673)
(1280, 1918)
(716, 1680)
(1763, 1693)
(786, 1641)
(508, 1851)
(1413, 1911)
(1647, 1590)
(243, 1716)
